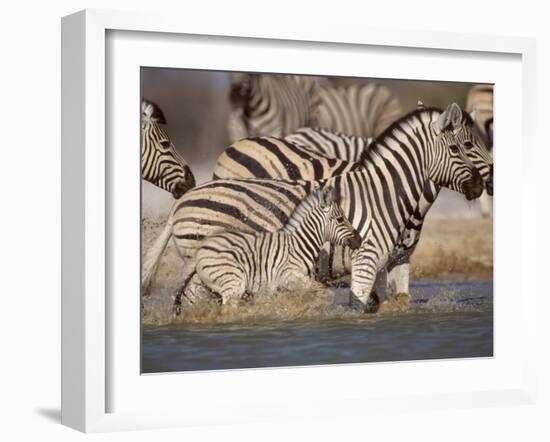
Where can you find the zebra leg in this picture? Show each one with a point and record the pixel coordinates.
(364, 269)
(230, 288)
(381, 285)
(193, 292)
(323, 263)
(398, 298)
(181, 286)
(486, 205)
(398, 279)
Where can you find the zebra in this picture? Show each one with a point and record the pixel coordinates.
(270, 104)
(297, 156)
(330, 143)
(480, 100)
(281, 158)
(161, 164)
(276, 105)
(403, 169)
(232, 264)
(363, 109)
(308, 154)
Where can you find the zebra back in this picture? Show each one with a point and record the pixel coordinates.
(276, 105)
(280, 158)
(363, 109)
(330, 144)
(270, 105)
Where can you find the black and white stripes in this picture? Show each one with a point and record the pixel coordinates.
(294, 157)
(359, 109)
(272, 105)
(480, 101)
(234, 263)
(425, 150)
(161, 164)
(277, 105)
(330, 143)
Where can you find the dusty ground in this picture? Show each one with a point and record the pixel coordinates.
(454, 249)
(457, 249)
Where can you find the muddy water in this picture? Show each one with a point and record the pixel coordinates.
(445, 320)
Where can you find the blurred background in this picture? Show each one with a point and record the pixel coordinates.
(456, 241)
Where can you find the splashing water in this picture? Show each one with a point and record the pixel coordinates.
(444, 320)
(310, 305)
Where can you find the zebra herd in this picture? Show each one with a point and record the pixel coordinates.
(263, 203)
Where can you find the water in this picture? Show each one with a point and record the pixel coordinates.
(445, 320)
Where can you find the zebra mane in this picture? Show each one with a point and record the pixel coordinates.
(303, 209)
(152, 111)
(367, 154)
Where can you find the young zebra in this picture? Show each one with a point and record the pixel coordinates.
(386, 200)
(161, 164)
(233, 263)
(276, 105)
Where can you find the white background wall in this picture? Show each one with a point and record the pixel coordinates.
(30, 225)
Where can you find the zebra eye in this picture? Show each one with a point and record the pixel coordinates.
(453, 148)
(340, 219)
(468, 144)
(165, 144)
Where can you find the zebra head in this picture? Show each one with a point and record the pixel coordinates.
(161, 164)
(241, 85)
(461, 160)
(338, 228)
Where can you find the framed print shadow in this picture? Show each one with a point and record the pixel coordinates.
(328, 213)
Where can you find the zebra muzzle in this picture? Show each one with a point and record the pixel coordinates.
(489, 185)
(185, 184)
(355, 241)
(473, 188)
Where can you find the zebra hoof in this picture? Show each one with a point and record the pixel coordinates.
(176, 311)
(397, 303)
(176, 306)
(373, 303)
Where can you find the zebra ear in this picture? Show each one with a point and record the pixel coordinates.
(456, 115)
(152, 111)
(158, 115)
(450, 118)
(327, 196)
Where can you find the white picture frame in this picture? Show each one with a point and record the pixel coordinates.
(87, 230)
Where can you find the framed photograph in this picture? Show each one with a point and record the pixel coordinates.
(265, 223)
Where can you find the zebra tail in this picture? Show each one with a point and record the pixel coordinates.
(151, 261)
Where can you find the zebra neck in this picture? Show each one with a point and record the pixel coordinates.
(399, 160)
(307, 235)
(429, 194)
